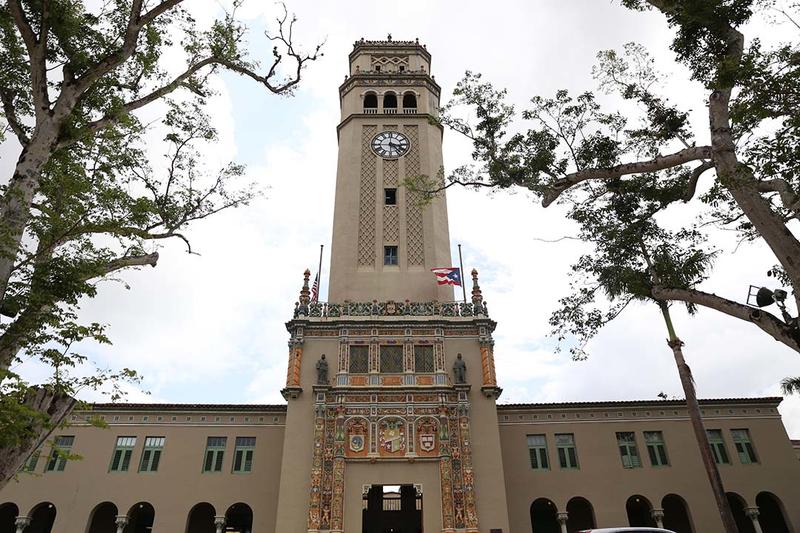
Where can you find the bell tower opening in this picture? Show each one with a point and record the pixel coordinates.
(391, 509)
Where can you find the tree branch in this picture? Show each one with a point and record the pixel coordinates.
(129, 261)
(691, 187)
(12, 119)
(789, 198)
(767, 322)
(658, 163)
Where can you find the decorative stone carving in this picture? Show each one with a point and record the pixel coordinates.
(459, 370)
(322, 371)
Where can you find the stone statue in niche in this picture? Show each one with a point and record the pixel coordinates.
(460, 370)
(322, 371)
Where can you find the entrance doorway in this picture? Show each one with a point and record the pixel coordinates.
(392, 509)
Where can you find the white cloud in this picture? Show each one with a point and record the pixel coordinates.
(210, 327)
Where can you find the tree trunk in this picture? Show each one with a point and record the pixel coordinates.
(55, 407)
(693, 407)
(15, 206)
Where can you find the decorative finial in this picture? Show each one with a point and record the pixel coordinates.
(304, 295)
(416, 40)
(389, 37)
(477, 295)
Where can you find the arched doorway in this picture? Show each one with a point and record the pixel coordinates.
(580, 515)
(770, 514)
(676, 514)
(42, 518)
(201, 519)
(239, 518)
(743, 523)
(103, 518)
(140, 518)
(544, 517)
(638, 509)
(8, 514)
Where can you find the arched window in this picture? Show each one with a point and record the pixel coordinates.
(239, 518)
(771, 514)
(580, 515)
(103, 518)
(201, 519)
(543, 517)
(638, 509)
(409, 103)
(390, 103)
(370, 103)
(141, 518)
(743, 523)
(42, 518)
(8, 514)
(676, 514)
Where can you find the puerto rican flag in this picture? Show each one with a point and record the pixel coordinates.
(447, 275)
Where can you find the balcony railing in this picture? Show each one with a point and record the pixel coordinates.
(409, 110)
(390, 110)
(366, 309)
(371, 110)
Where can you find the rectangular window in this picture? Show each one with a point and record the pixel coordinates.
(744, 447)
(391, 359)
(359, 359)
(717, 446)
(567, 454)
(33, 460)
(215, 451)
(390, 255)
(390, 196)
(423, 359)
(626, 441)
(537, 450)
(58, 455)
(121, 458)
(151, 455)
(243, 454)
(656, 448)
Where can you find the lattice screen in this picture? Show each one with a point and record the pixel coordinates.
(391, 359)
(416, 245)
(423, 358)
(359, 359)
(366, 200)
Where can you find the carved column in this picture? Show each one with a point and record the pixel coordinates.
(752, 514)
(314, 516)
(22, 522)
(121, 522)
(658, 516)
(562, 521)
(219, 524)
(446, 473)
(487, 365)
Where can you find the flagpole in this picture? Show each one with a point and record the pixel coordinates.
(461, 264)
(319, 271)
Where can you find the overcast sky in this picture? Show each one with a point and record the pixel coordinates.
(210, 328)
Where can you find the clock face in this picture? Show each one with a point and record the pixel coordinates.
(390, 144)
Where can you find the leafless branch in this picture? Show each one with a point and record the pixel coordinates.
(653, 165)
(691, 187)
(12, 119)
(767, 322)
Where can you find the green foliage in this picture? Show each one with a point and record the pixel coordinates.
(570, 148)
(72, 76)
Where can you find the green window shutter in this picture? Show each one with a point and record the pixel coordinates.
(248, 461)
(209, 460)
(115, 461)
(218, 463)
(126, 460)
(537, 450)
(237, 460)
(156, 459)
(743, 445)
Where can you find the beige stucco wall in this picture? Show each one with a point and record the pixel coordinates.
(175, 488)
(603, 481)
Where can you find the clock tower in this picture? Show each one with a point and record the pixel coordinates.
(391, 420)
(384, 241)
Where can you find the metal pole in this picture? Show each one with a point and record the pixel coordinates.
(319, 272)
(461, 264)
